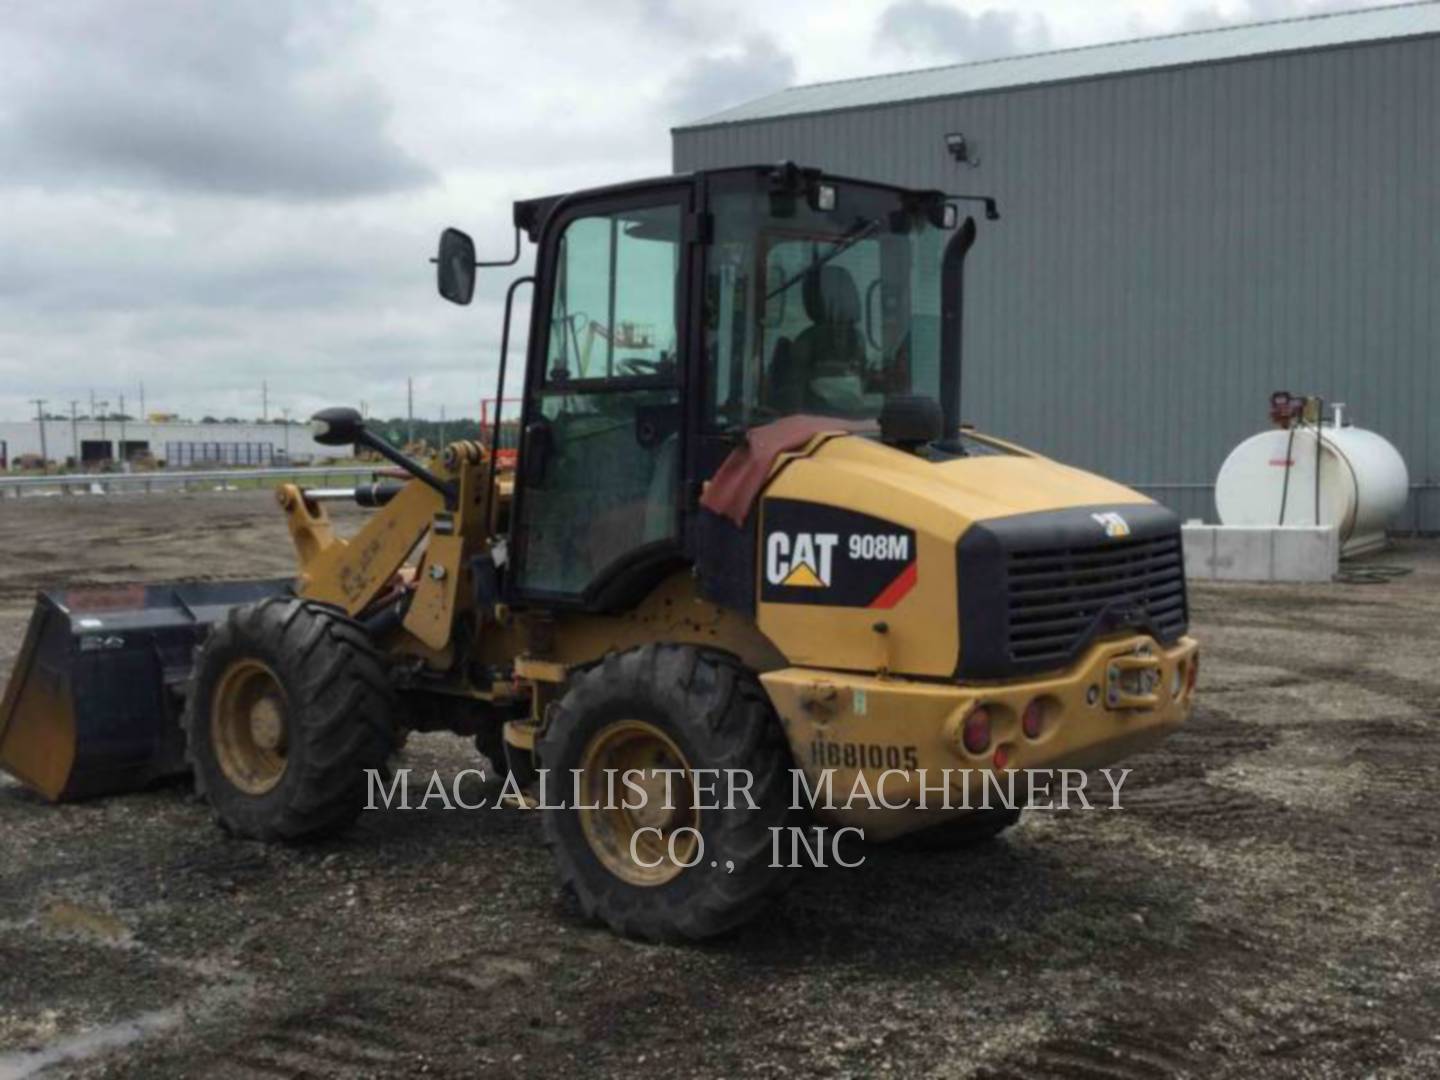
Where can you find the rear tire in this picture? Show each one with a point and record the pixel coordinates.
(290, 705)
(690, 708)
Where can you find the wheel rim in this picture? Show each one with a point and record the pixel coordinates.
(611, 828)
(249, 727)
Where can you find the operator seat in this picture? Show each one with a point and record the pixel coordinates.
(830, 345)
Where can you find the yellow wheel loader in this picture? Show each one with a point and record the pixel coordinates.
(747, 553)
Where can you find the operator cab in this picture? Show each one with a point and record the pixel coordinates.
(670, 316)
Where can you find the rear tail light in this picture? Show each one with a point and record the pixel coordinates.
(1032, 720)
(977, 731)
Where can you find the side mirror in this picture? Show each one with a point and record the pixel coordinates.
(340, 426)
(455, 267)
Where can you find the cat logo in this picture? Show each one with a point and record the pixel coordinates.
(1114, 525)
(834, 557)
(804, 560)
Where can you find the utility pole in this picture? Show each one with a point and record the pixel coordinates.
(286, 414)
(410, 409)
(74, 434)
(40, 419)
(124, 457)
(264, 401)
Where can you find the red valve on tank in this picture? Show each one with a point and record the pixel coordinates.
(1285, 409)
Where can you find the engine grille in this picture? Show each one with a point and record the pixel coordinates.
(1036, 589)
(1057, 597)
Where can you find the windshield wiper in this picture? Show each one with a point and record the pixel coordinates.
(846, 242)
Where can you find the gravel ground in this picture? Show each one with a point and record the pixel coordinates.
(1264, 905)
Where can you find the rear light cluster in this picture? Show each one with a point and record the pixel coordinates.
(1032, 720)
(978, 729)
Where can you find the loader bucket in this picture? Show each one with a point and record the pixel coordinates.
(93, 704)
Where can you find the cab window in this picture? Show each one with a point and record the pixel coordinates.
(601, 450)
(614, 309)
(819, 311)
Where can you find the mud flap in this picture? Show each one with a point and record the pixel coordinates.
(93, 704)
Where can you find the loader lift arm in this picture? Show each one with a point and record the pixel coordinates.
(364, 575)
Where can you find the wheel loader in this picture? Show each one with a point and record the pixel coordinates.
(745, 532)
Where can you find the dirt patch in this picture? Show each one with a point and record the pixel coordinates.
(1265, 904)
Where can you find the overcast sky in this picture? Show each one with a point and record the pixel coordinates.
(202, 196)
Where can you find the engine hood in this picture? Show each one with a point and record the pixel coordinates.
(862, 539)
(951, 495)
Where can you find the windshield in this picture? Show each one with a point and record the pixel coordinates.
(819, 311)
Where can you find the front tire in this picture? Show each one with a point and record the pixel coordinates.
(666, 707)
(289, 707)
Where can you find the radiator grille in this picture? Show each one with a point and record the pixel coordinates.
(1058, 597)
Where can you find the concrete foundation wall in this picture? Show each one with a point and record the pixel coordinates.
(1243, 553)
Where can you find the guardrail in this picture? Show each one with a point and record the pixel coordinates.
(161, 479)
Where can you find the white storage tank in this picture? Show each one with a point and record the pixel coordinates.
(1270, 479)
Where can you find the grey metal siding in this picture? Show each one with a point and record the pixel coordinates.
(1175, 244)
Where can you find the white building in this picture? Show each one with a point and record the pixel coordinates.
(177, 444)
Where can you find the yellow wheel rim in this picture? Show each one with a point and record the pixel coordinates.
(635, 842)
(248, 727)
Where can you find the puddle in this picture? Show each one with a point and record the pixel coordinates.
(16, 1065)
(65, 917)
(20, 1064)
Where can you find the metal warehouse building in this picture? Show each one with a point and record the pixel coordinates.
(1188, 223)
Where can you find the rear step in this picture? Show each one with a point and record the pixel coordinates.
(93, 704)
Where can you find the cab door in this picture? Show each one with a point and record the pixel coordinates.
(599, 475)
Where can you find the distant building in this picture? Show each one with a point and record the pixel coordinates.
(95, 442)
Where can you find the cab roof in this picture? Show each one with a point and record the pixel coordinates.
(530, 215)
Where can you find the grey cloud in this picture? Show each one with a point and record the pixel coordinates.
(231, 99)
(716, 82)
(675, 16)
(1210, 17)
(944, 32)
(682, 20)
